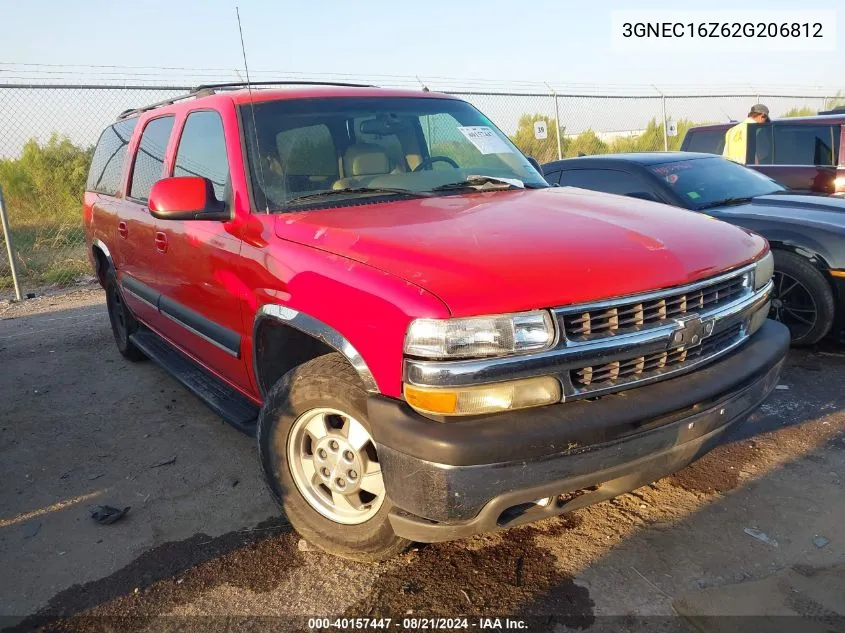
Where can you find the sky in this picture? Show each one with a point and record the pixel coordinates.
(561, 42)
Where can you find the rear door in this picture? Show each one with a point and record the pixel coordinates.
(198, 267)
(801, 156)
(136, 227)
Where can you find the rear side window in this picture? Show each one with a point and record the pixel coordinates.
(705, 141)
(149, 160)
(607, 180)
(805, 144)
(202, 151)
(107, 162)
(552, 177)
(307, 150)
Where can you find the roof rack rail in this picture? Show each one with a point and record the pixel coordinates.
(208, 89)
(243, 84)
(133, 111)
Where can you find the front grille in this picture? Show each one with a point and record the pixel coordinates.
(631, 316)
(596, 377)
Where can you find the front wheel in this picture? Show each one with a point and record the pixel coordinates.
(321, 464)
(802, 300)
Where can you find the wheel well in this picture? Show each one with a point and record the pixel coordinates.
(279, 348)
(102, 263)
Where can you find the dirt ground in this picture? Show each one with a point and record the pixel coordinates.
(80, 426)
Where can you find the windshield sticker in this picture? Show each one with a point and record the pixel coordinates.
(485, 140)
(671, 168)
(694, 195)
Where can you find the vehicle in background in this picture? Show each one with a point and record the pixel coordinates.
(806, 233)
(805, 154)
(426, 338)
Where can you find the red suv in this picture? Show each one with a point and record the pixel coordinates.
(428, 340)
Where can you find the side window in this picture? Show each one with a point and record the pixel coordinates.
(202, 151)
(804, 144)
(705, 141)
(553, 177)
(307, 159)
(760, 146)
(390, 143)
(107, 162)
(149, 160)
(607, 180)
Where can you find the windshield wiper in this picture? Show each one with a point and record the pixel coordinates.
(317, 195)
(724, 203)
(482, 183)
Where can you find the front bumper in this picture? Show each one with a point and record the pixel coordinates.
(452, 480)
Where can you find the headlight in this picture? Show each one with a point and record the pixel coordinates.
(764, 271)
(476, 337)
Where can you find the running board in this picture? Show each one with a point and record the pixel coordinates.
(216, 394)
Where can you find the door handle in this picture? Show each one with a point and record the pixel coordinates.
(122, 229)
(161, 242)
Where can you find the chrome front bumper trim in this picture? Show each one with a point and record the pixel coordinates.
(567, 355)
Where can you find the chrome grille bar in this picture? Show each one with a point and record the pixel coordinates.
(624, 315)
(605, 364)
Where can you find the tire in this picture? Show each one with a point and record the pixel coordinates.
(123, 324)
(802, 300)
(328, 392)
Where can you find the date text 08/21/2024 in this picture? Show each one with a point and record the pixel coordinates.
(416, 623)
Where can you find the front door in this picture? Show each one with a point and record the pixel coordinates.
(197, 273)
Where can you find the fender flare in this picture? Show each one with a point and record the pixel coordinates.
(97, 243)
(317, 329)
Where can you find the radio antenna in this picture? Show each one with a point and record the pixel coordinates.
(252, 111)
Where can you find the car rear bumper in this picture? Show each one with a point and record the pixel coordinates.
(445, 486)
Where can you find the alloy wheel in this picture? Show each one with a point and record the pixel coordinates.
(793, 305)
(335, 467)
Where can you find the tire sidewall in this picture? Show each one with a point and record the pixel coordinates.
(294, 395)
(112, 288)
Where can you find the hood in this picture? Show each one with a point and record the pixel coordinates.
(801, 203)
(822, 212)
(504, 251)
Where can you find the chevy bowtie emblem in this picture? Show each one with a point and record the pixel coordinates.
(690, 331)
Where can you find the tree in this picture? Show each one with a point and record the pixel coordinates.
(544, 150)
(587, 143)
(805, 111)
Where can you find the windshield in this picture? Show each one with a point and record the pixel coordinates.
(365, 147)
(709, 181)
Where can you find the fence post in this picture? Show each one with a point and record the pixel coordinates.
(665, 128)
(557, 125)
(9, 250)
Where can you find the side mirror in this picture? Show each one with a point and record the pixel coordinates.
(643, 195)
(534, 164)
(186, 198)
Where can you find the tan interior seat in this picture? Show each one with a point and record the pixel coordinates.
(361, 160)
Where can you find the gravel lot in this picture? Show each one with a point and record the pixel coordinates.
(81, 427)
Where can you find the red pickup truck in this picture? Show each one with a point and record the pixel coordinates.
(428, 341)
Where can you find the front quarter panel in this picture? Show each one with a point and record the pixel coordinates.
(825, 247)
(370, 308)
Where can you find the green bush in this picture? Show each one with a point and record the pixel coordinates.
(43, 190)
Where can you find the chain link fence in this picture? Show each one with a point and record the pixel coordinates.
(48, 132)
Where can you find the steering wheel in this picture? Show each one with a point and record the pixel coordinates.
(428, 163)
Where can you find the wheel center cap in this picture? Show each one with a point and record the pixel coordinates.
(338, 464)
